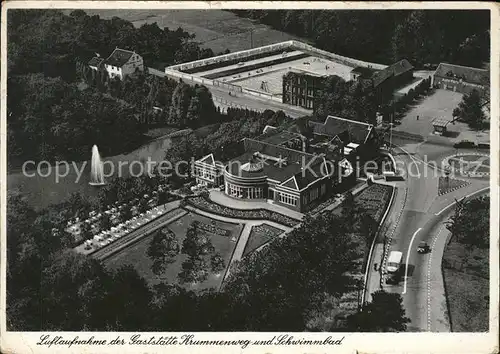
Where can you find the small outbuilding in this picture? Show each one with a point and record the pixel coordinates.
(440, 126)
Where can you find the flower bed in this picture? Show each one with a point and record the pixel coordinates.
(209, 206)
(214, 230)
(447, 184)
(374, 199)
(260, 235)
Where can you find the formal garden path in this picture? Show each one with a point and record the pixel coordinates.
(245, 234)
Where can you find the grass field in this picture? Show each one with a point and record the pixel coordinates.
(215, 29)
(467, 286)
(136, 255)
(260, 235)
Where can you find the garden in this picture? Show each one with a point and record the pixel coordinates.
(204, 203)
(447, 184)
(374, 200)
(137, 254)
(260, 235)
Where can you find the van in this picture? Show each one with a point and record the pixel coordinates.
(394, 261)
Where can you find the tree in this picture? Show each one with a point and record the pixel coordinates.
(163, 250)
(194, 270)
(105, 222)
(470, 222)
(275, 288)
(385, 313)
(470, 110)
(367, 227)
(196, 243)
(217, 263)
(351, 210)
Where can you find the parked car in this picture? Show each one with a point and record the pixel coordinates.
(423, 247)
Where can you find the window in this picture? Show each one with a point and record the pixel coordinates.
(287, 199)
(313, 194)
(323, 189)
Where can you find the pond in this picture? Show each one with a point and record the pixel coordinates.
(42, 191)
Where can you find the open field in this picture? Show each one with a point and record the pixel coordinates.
(467, 287)
(259, 236)
(136, 255)
(215, 29)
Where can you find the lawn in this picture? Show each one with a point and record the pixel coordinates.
(467, 287)
(136, 255)
(260, 235)
(215, 29)
(447, 184)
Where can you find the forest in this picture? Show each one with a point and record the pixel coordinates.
(422, 37)
(57, 112)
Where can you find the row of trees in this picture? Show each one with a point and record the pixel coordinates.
(50, 42)
(398, 106)
(421, 36)
(354, 99)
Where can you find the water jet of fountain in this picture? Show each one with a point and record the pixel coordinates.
(96, 169)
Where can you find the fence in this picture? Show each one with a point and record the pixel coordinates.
(231, 56)
(268, 96)
(227, 86)
(225, 104)
(335, 57)
(292, 44)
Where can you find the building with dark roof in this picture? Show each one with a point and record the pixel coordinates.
(362, 72)
(96, 63)
(291, 178)
(208, 172)
(345, 137)
(461, 79)
(288, 169)
(300, 88)
(122, 63)
(386, 81)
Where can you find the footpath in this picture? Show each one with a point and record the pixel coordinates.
(374, 277)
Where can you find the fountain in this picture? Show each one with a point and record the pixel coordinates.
(96, 169)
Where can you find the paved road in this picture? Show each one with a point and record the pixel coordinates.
(421, 219)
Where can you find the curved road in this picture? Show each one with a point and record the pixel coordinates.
(422, 219)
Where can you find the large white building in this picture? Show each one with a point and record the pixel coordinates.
(122, 63)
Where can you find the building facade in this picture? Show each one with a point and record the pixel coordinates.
(122, 63)
(287, 169)
(461, 79)
(301, 89)
(208, 172)
(385, 82)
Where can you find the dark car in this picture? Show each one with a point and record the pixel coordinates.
(393, 278)
(423, 247)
